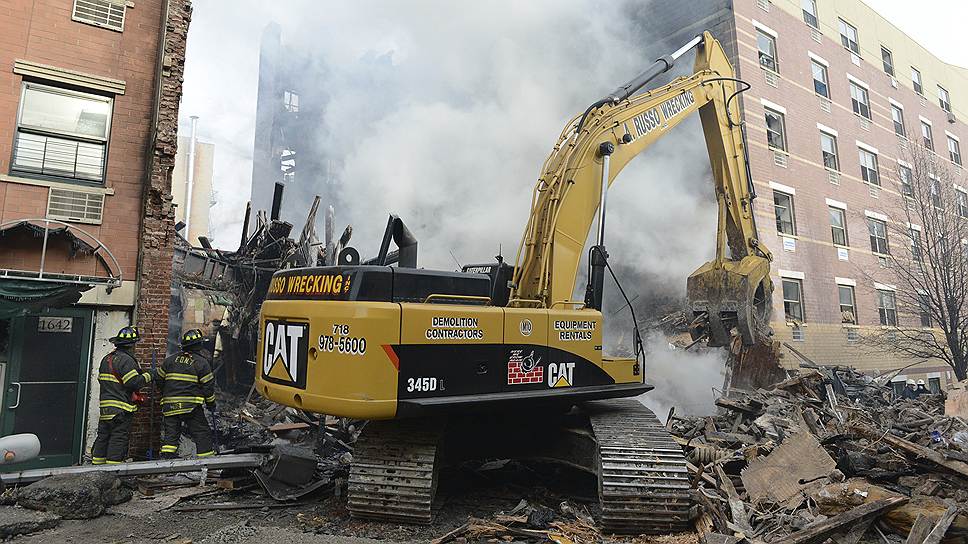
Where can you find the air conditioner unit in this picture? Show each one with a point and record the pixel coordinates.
(894, 82)
(951, 117)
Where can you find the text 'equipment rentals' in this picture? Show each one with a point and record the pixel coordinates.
(499, 360)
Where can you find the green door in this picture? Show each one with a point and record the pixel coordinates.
(46, 383)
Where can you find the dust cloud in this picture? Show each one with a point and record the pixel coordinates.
(689, 381)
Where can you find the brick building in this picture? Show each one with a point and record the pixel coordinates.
(836, 88)
(89, 93)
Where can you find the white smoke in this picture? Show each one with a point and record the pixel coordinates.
(689, 381)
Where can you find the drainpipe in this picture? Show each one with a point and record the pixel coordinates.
(191, 178)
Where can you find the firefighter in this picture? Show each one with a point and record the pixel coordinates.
(119, 377)
(922, 390)
(186, 383)
(910, 390)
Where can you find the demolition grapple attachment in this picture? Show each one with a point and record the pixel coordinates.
(729, 295)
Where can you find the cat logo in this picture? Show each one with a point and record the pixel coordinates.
(284, 349)
(561, 374)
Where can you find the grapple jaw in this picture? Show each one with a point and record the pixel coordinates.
(728, 295)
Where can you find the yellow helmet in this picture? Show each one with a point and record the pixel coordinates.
(192, 337)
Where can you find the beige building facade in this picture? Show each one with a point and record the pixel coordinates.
(201, 191)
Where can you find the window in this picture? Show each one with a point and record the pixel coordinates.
(848, 309)
(828, 148)
(904, 173)
(820, 85)
(944, 100)
(783, 208)
(898, 115)
(924, 310)
(859, 100)
(878, 234)
(888, 59)
(962, 203)
(954, 151)
(290, 100)
(848, 37)
(935, 192)
(793, 300)
(775, 130)
(915, 236)
(916, 80)
(868, 167)
(927, 135)
(62, 134)
(767, 46)
(103, 13)
(934, 384)
(810, 13)
(838, 226)
(886, 307)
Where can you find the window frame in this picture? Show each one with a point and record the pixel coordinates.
(962, 202)
(783, 136)
(760, 33)
(902, 131)
(887, 62)
(798, 301)
(814, 14)
(851, 45)
(874, 239)
(855, 104)
(924, 311)
(917, 82)
(954, 155)
(927, 136)
(871, 175)
(104, 141)
(884, 313)
(792, 210)
(826, 78)
(835, 154)
(907, 188)
(944, 101)
(832, 210)
(853, 302)
(917, 251)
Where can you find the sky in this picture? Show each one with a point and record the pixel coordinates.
(938, 25)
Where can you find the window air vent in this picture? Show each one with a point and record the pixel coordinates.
(852, 335)
(875, 191)
(772, 79)
(780, 159)
(865, 124)
(855, 59)
(103, 13)
(798, 334)
(816, 35)
(75, 206)
(902, 143)
(833, 177)
(825, 104)
(951, 117)
(894, 82)
(763, 5)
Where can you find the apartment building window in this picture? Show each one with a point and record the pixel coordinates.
(290, 101)
(916, 253)
(927, 135)
(897, 114)
(820, 85)
(962, 203)
(828, 148)
(934, 385)
(793, 300)
(904, 173)
(859, 100)
(944, 100)
(868, 167)
(887, 307)
(838, 226)
(767, 46)
(935, 192)
(924, 309)
(848, 37)
(62, 134)
(878, 235)
(916, 80)
(954, 151)
(775, 130)
(848, 308)
(810, 13)
(888, 59)
(785, 215)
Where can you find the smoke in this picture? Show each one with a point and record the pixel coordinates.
(443, 112)
(686, 380)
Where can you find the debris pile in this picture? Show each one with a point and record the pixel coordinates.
(828, 453)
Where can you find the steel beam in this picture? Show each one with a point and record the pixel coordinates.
(238, 460)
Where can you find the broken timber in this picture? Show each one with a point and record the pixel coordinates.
(819, 532)
(913, 449)
(238, 460)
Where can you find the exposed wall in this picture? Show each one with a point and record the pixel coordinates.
(202, 187)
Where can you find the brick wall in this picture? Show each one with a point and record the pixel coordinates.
(158, 215)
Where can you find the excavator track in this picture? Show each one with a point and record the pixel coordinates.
(643, 481)
(394, 473)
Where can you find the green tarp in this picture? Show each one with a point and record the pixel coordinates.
(19, 297)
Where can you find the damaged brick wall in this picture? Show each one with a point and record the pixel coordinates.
(158, 220)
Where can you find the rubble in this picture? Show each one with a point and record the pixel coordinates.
(74, 496)
(827, 452)
(19, 521)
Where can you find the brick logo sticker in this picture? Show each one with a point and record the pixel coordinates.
(524, 369)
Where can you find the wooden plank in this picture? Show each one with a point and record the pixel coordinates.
(751, 408)
(818, 532)
(283, 427)
(922, 526)
(737, 509)
(914, 449)
(942, 526)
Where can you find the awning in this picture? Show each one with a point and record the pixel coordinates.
(20, 297)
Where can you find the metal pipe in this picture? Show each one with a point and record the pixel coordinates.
(190, 180)
(662, 65)
(43, 251)
(604, 193)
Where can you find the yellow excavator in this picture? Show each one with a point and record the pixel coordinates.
(500, 360)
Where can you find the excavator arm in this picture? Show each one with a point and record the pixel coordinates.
(731, 291)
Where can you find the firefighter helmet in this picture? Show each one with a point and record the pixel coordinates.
(127, 335)
(192, 337)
